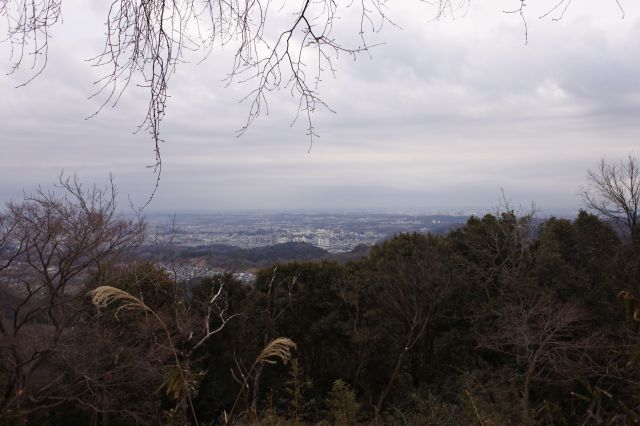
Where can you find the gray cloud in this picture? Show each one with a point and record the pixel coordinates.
(445, 115)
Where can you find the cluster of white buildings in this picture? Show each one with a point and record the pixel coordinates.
(333, 240)
(185, 272)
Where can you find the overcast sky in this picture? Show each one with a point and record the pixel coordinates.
(442, 117)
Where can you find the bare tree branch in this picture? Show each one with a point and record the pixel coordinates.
(145, 40)
(613, 191)
(51, 242)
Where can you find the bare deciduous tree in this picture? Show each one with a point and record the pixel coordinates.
(54, 242)
(499, 247)
(614, 192)
(11, 245)
(549, 341)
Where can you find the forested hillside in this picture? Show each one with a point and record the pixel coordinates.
(503, 321)
(232, 258)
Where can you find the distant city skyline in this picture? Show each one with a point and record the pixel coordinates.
(444, 117)
(334, 232)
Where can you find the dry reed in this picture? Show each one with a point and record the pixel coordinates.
(104, 296)
(278, 349)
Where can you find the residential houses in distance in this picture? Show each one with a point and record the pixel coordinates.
(335, 233)
(186, 272)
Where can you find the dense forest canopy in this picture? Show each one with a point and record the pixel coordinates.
(506, 320)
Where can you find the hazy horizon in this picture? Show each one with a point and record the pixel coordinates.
(453, 211)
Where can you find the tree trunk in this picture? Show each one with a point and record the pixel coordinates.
(525, 399)
(392, 379)
(256, 384)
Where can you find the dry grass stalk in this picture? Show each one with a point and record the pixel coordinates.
(278, 349)
(104, 296)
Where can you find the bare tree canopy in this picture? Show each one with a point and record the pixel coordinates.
(614, 192)
(547, 339)
(289, 45)
(49, 244)
(147, 39)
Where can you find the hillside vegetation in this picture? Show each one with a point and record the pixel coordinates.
(503, 321)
